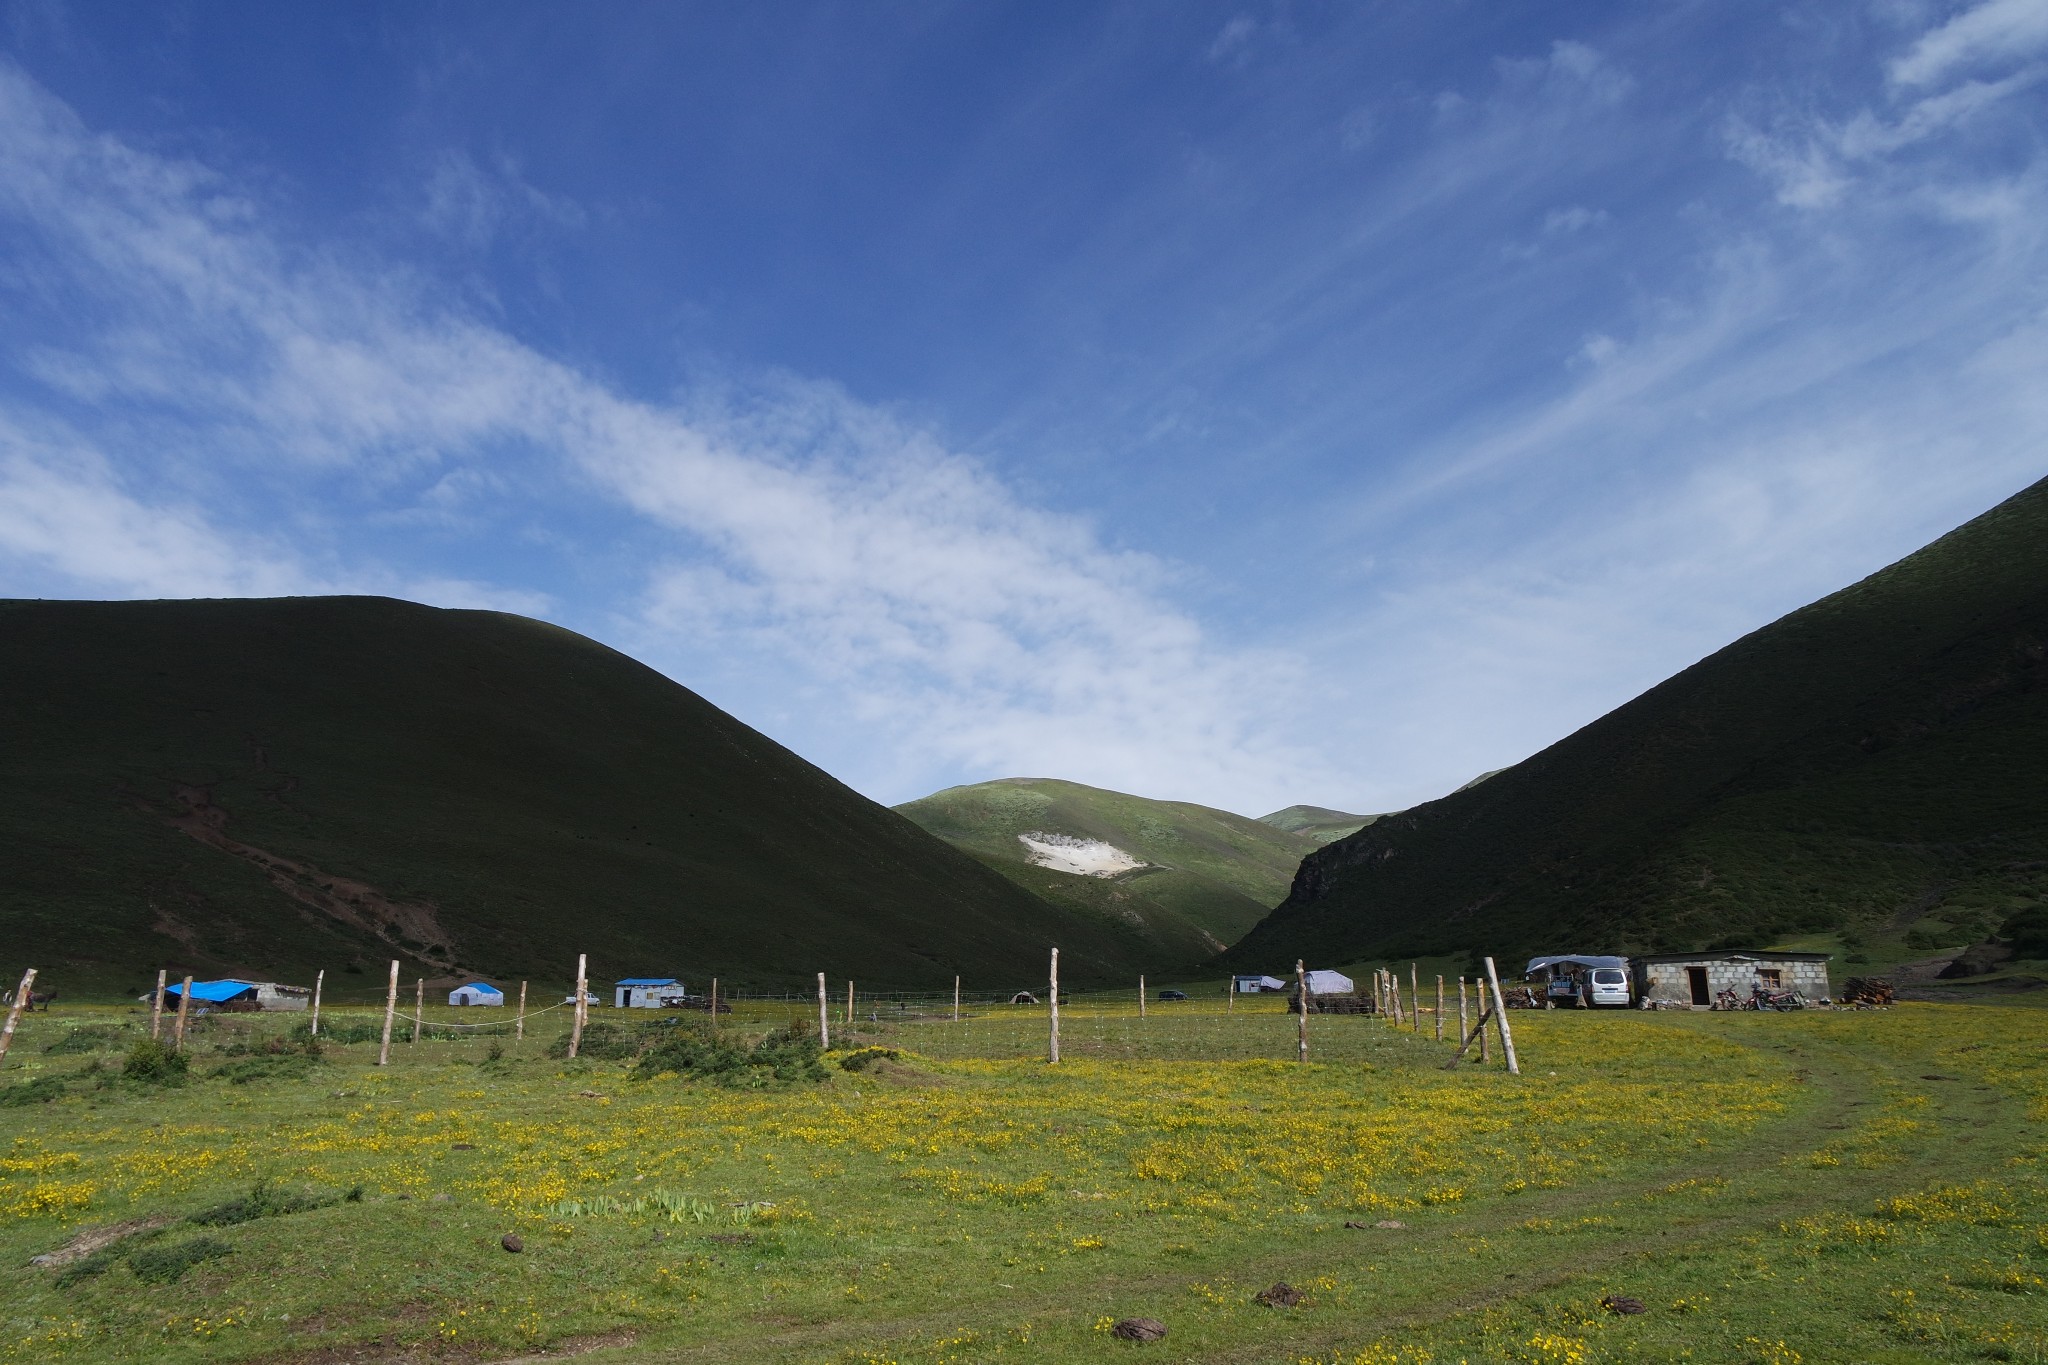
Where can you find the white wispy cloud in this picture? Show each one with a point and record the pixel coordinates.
(794, 528)
(1993, 32)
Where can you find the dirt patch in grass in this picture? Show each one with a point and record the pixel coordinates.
(95, 1239)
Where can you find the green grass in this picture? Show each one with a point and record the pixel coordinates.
(1868, 767)
(468, 791)
(1210, 875)
(1808, 1187)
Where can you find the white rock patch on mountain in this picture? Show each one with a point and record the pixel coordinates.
(1082, 857)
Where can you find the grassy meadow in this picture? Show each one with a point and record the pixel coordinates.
(1774, 1188)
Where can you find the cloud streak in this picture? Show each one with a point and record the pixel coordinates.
(790, 525)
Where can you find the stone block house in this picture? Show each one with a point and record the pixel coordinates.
(1698, 978)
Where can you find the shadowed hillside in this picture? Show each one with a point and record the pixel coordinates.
(1194, 876)
(1867, 764)
(274, 786)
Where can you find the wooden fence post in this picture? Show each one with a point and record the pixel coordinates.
(1507, 1038)
(956, 999)
(1477, 1035)
(21, 992)
(1464, 1024)
(390, 1009)
(576, 1014)
(1439, 1007)
(1415, 999)
(1301, 1025)
(714, 1004)
(1394, 998)
(419, 1006)
(824, 1023)
(519, 1028)
(319, 980)
(849, 1004)
(1053, 995)
(184, 1013)
(1141, 995)
(1485, 1048)
(1230, 996)
(156, 1008)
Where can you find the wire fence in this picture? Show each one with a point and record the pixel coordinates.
(1114, 1025)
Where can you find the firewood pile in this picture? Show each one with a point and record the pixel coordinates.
(1331, 1004)
(1867, 992)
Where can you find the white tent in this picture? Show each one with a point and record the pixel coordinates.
(1251, 983)
(1330, 983)
(476, 993)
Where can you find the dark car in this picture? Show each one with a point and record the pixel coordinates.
(1173, 995)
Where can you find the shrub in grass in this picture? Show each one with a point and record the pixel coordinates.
(339, 1032)
(168, 1264)
(264, 1201)
(91, 1038)
(2028, 932)
(41, 1090)
(603, 1042)
(867, 1057)
(287, 1068)
(786, 1055)
(152, 1062)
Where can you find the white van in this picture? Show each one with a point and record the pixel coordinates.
(1581, 980)
(1605, 986)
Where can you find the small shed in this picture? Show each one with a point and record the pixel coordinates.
(1254, 984)
(646, 992)
(476, 993)
(1697, 979)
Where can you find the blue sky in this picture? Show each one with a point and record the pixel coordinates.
(1237, 403)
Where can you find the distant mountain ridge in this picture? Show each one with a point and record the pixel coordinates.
(1202, 876)
(1863, 763)
(1319, 823)
(270, 787)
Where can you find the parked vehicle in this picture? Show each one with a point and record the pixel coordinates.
(1173, 995)
(1606, 986)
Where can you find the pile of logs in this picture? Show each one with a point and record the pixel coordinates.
(1867, 992)
(1331, 1004)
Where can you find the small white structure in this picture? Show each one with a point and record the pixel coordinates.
(1253, 984)
(476, 993)
(647, 992)
(1330, 983)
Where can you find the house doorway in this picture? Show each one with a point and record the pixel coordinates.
(1697, 977)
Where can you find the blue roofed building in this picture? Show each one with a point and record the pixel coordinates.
(647, 992)
(476, 993)
(232, 993)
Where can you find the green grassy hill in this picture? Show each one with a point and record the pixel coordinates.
(1319, 823)
(271, 787)
(1868, 769)
(1207, 876)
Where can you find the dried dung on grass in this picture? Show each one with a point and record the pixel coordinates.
(1137, 1329)
(1281, 1295)
(1623, 1304)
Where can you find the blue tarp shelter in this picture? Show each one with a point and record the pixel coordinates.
(212, 992)
(476, 993)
